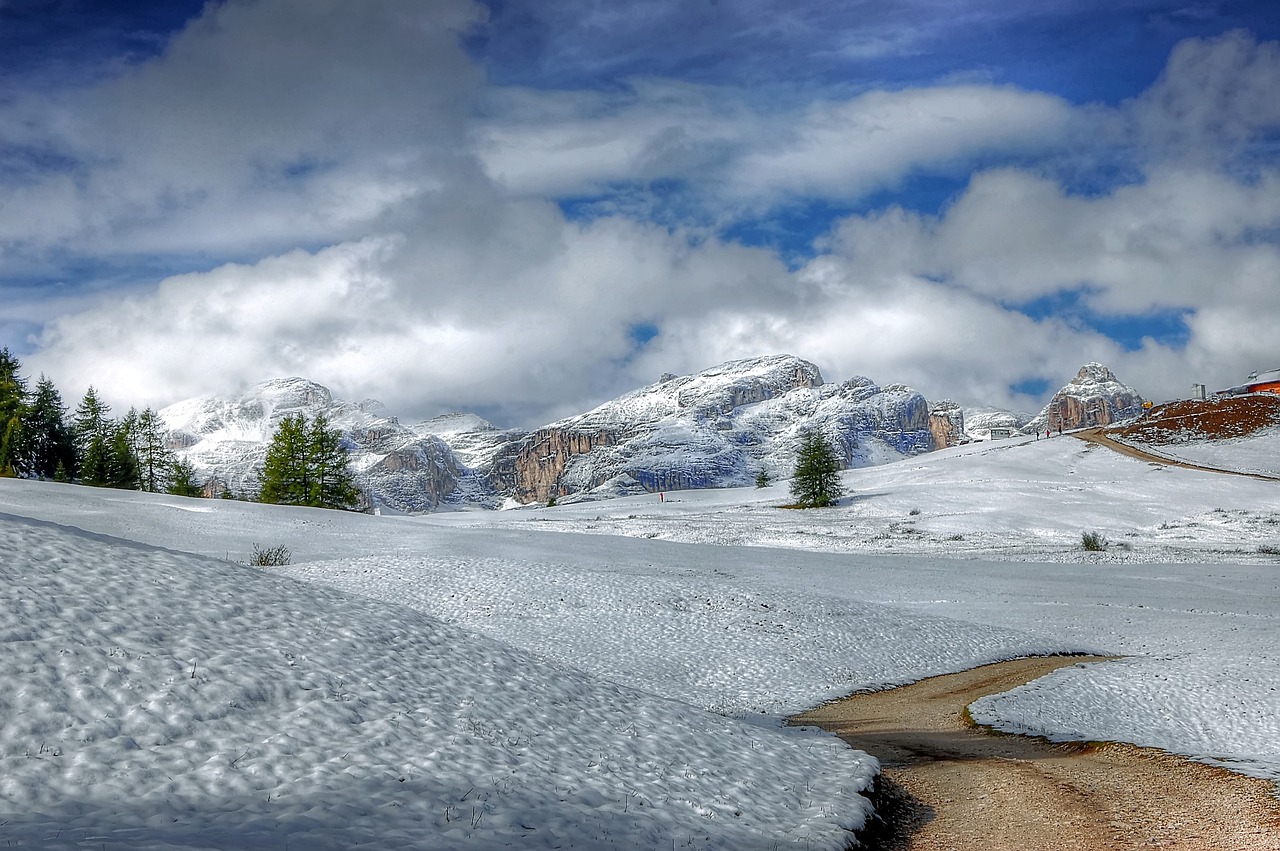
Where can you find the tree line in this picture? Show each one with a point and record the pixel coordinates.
(40, 438)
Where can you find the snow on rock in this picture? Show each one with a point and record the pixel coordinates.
(979, 421)
(1095, 397)
(717, 428)
(226, 439)
(157, 700)
(946, 422)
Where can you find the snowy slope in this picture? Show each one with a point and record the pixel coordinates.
(159, 700)
(703, 619)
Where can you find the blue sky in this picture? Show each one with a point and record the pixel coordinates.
(523, 208)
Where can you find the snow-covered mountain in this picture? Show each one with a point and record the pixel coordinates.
(718, 428)
(226, 440)
(1095, 397)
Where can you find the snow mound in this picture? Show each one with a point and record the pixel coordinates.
(162, 700)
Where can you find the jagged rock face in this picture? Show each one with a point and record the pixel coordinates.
(1095, 397)
(718, 428)
(946, 424)
(227, 438)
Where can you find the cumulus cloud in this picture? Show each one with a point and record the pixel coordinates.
(261, 126)
(397, 223)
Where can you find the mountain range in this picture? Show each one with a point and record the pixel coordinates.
(722, 427)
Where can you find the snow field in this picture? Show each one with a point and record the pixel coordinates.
(703, 635)
(651, 613)
(159, 700)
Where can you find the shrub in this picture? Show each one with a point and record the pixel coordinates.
(270, 557)
(1269, 550)
(1094, 542)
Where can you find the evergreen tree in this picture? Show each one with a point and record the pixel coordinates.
(286, 474)
(307, 465)
(122, 460)
(13, 407)
(182, 479)
(155, 461)
(331, 483)
(93, 431)
(816, 483)
(48, 441)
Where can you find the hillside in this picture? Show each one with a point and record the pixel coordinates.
(1239, 433)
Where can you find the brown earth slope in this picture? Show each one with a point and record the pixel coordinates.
(1194, 420)
(949, 785)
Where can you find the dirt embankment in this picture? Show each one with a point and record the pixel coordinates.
(1212, 419)
(949, 785)
(1190, 421)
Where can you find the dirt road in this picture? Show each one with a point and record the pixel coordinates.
(949, 785)
(1098, 436)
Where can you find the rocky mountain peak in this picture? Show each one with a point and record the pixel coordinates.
(1095, 373)
(1095, 397)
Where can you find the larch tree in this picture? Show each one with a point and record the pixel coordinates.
(13, 408)
(93, 430)
(49, 445)
(816, 483)
(155, 460)
(308, 465)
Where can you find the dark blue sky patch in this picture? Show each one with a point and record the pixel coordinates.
(78, 40)
(1166, 326)
(1033, 387)
(642, 332)
(1083, 50)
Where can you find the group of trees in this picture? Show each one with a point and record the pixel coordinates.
(306, 463)
(39, 440)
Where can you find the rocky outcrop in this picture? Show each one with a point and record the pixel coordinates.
(946, 424)
(717, 428)
(534, 470)
(1095, 397)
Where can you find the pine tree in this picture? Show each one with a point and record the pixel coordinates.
(93, 431)
(48, 441)
(13, 407)
(816, 483)
(331, 483)
(155, 461)
(122, 460)
(182, 479)
(286, 478)
(307, 465)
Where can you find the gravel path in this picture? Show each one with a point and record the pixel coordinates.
(1098, 436)
(949, 785)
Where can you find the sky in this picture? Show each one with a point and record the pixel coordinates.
(524, 208)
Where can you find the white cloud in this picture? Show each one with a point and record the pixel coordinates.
(451, 280)
(263, 124)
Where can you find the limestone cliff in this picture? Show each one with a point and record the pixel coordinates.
(1095, 397)
(946, 424)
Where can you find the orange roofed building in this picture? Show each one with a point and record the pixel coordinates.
(1259, 382)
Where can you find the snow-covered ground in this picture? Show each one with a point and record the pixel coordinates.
(539, 686)
(1256, 453)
